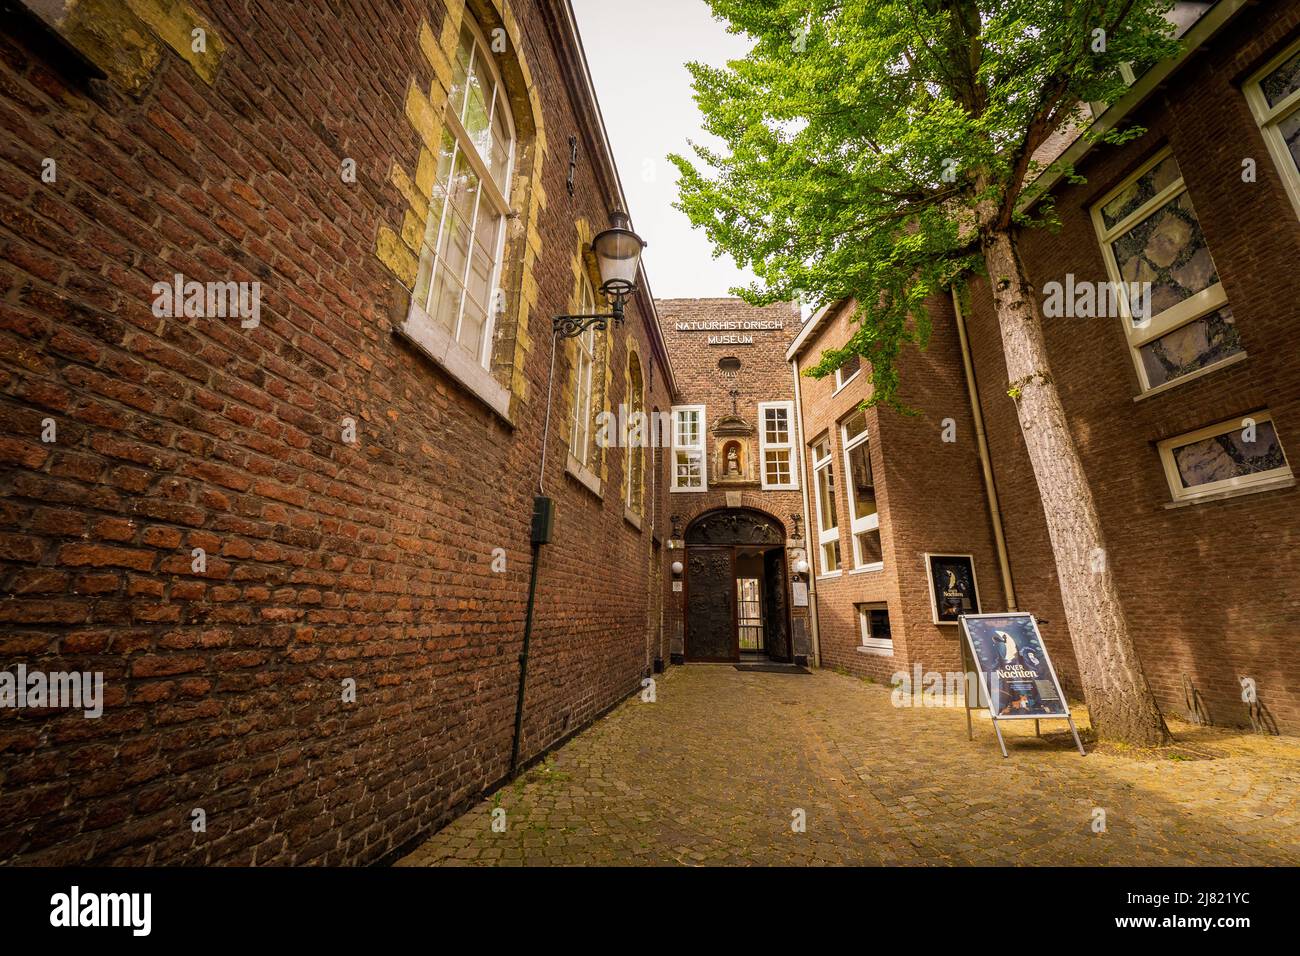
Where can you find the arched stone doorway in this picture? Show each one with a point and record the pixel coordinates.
(737, 595)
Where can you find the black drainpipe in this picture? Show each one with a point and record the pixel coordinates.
(543, 524)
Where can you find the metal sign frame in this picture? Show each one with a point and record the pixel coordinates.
(968, 648)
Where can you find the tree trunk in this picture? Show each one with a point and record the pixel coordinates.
(1119, 699)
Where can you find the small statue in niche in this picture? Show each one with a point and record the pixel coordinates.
(731, 469)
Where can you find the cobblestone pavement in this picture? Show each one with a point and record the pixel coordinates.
(714, 771)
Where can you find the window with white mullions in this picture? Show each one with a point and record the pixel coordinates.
(828, 530)
(1274, 97)
(1150, 238)
(460, 259)
(864, 519)
(581, 445)
(776, 446)
(688, 449)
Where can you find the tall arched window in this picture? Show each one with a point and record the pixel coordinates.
(582, 444)
(460, 262)
(638, 435)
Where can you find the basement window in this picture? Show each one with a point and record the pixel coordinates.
(873, 622)
(1241, 454)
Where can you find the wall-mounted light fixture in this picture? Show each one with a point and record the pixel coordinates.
(801, 570)
(677, 569)
(618, 252)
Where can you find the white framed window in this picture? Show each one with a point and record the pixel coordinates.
(688, 449)
(828, 528)
(634, 458)
(1156, 256)
(864, 519)
(1241, 453)
(1274, 97)
(460, 256)
(581, 444)
(873, 623)
(776, 446)
(848, 371)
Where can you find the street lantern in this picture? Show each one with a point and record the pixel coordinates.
(618, 253)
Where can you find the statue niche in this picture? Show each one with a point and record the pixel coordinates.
(733, 452)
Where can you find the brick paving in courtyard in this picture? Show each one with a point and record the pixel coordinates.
(714, 770)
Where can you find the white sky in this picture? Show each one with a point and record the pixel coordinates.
(638, 52)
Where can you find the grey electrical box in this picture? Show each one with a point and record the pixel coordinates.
(543, 519)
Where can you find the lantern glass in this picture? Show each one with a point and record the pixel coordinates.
(618, 252)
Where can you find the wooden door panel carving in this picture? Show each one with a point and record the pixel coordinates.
(711, 612)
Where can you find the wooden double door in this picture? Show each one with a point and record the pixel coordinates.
(712, 620)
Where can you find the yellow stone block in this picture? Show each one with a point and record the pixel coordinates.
(412, 231)
(115, 40)
(451, 27)
(392, 252)
(426, 172)
(437, 58)
(175, 24)
(409, 192)
(423, 119)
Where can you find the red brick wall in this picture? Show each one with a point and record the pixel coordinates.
(929, 494)
(764, 376)
(326, 561)
(1208, 588)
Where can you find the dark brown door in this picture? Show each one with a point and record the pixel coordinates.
(776, 624)
(711, 633)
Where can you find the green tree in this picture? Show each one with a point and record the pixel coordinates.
(881, 151)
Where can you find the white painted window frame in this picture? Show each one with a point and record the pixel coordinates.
(1216, 488)
(874, 645)
(1268, 118)
(1190, 309)
(825, 536)
(696, 448)
(841, 381)
(582, 421)
(872, 521)
(499, 199)
(764, 446)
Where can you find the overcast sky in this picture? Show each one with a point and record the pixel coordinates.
(637, 52)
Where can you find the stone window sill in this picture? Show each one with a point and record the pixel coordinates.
(1287, 481)
(631, 517)
(1190, 377)
(583, 475)
(867, 568)
(437, 344)
(876, 651)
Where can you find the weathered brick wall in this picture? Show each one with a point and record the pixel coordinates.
(764, 376)
(929, 493)
(1208, 588)
(326, 561)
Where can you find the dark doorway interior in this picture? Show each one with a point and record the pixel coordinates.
(736, 587)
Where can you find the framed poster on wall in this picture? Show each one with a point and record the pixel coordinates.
(953, 588)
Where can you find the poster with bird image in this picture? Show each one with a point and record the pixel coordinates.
(953, 589)
(1014, 668)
